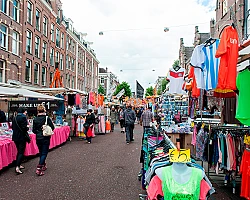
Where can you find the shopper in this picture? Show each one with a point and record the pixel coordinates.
(121, 119)
(42, 142)
(113, 118)
(20, 136)
(89, 123)
(129, 117)
(146, 117)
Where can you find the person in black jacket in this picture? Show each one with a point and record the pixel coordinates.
(20, 136)
(90, 120)
(42, 142)
(129, 118)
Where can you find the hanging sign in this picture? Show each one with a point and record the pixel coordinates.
(119, 95)
(181, 156)
(31, 105)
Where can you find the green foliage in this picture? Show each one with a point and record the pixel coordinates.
(162, 87)
(101, 90)
(149, 91)
(124, 85)
(176, 63)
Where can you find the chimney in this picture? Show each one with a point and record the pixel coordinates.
(196, 29)
(212, 28)
(106, 70)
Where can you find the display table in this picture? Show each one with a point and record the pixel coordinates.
(8, 149)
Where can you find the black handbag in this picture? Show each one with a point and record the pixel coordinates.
(27, 137)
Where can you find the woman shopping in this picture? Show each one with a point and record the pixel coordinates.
(89, 122)
(20, 136)
(42, 141)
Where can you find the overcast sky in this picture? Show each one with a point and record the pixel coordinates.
(138, 52)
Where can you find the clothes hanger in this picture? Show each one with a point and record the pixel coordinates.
(209, 42)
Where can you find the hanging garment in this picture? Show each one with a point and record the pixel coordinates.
(228, 52)
(229, 111)
(201, 140)
(176, 79)
(195, 90)
(245, 171)
(174, 190)
(243, 110)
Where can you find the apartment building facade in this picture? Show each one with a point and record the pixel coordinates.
(34, 36)
(11, 21)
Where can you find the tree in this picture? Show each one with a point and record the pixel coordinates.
(101, 90)
(176, 63)
(124, 85)
(149, 91)
(162, 86)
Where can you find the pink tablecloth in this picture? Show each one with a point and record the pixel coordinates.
(8, 149)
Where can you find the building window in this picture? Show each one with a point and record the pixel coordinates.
(224, 7)
(52, 57)
(67, 60)
(4, 6)
(16, 10)
(73, 65)
(57, 38)
(38, 20)
(52, 32)
(73, 82)
(69, 63)
(57, 56)
(36, 73)
(51, 77)
(43, 76)
(28, 71)
(67, 43)
(15, 43)
(44, 51)
(61, 62)
(45, 26)
(1, 71)
(29, 12)
(29, 42)
(3, 37)
(69, 81)
(102, 80)
(62, 40)
(37, 47)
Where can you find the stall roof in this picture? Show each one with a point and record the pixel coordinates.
(20, 92)
(59, 90)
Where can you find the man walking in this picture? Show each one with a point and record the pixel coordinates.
(129, 118)
(146, 117)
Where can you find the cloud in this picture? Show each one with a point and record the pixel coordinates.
(134, 39)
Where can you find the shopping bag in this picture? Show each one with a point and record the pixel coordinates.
(89, 132)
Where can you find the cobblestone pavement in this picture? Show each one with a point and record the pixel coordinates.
(104, 170)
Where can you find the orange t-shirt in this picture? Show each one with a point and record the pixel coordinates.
(228, 52)
(195, 90)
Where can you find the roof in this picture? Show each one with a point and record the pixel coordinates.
(204, 37)
(102, 70)
(188, 52)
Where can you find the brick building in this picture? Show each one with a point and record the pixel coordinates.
(81, 61)
(11, 21)
(228, 12)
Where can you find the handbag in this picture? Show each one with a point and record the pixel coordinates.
(27, 136)
(47, 130)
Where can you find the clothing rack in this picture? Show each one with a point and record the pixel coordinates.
(227, 128)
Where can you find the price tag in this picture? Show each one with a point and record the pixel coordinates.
(5, 126)
(182, 156)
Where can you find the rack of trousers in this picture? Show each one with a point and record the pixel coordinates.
(161, 177)
(228, 156)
